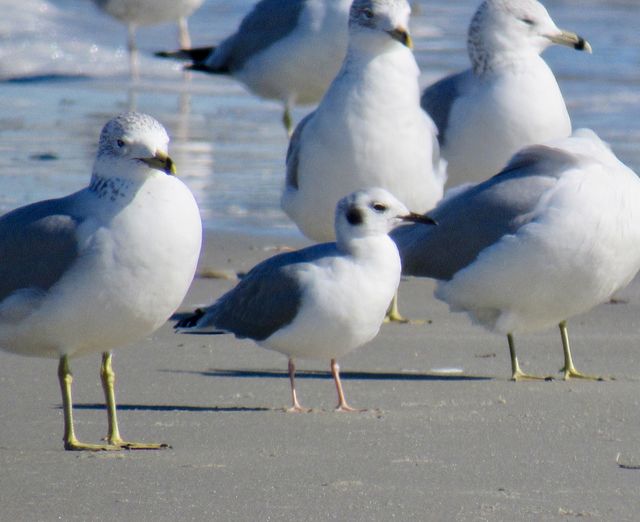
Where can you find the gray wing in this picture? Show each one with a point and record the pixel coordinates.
(476, 217)
(268, 22)
(267, 299)
(438, 99)
(293, 153)
(37, 245)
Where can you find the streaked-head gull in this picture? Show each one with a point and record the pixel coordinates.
(136, 13)
(553, 235)
(102, 267)
(287, 51)
(322, 301)
(368, 130)
(509, 98)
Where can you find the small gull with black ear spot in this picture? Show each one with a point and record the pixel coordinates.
(323, 301)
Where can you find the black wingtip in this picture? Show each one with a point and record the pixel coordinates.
(189, 321)
(202, 67)
(196, 54)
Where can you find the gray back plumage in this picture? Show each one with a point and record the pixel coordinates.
(268, 22)
(438, 100)
(268, 298)
(37, 246)
(476, 217)
(293, 152)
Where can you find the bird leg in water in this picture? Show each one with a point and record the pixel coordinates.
(108, 379)
(134, 67)
(569, 369)
(183, 33)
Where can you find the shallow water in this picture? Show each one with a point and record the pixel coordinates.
(64, 72)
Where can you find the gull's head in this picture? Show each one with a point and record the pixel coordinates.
(133, 144)
(505, 30)
(371, 212)
(387, 21)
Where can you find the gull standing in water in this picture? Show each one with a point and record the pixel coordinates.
(102, 267)
(368, 130)
(323, 301)
(135, 13)
(283, 50)
(509, 98)
(556, 233)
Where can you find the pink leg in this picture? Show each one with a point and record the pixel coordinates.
(295, 408)
(184, 40)
(342, 403)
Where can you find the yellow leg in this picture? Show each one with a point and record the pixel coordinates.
(287, 121)
(70, 442)
(516, 373)
(394, 315)
(108, 379)
(569, 369)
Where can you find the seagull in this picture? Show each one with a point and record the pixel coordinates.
(509, 98)
(135, 13)
(368, 130)
(322, 301)
(554, 234)
(102, 267)
(287, 51)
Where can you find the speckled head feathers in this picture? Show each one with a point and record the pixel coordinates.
(382, 15)
(507, 27)
(130, 128)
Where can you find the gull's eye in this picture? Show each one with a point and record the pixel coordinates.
(527, 21)
(120, 143)
(368, 13)
(379, 207)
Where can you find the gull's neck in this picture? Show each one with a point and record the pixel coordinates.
(366, 44)
(385, 69)
(113, 188)
(491, 48)
(364, 248)
(514, 60)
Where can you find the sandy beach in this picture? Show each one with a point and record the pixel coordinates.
(446, 435)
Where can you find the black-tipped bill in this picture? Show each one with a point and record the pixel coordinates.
(570, 39)
(161, 161)
(401, 35)
(414, 217)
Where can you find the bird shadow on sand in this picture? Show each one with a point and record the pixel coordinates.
(345, 375)
(170, 407)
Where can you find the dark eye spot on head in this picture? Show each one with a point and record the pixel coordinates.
(368, 13)
(527, 21)
(120, 143)
(354, 216)
(379, 207)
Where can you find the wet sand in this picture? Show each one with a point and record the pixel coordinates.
(435, 443)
